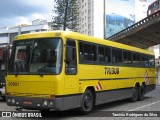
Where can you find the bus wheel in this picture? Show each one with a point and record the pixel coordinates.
(141, 93)
(135, 94)
(87, 102)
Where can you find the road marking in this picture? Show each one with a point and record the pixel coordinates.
(144, 106)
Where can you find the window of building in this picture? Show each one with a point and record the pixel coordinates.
(83, 26)
(89, 19)
(89, 12)
(82, 19)
(82, 13)
(89, 32)
(82, 6)
(89, 26)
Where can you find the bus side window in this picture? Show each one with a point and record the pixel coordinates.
(136, 59)
(151, 61)
(116, 56)
(101, 53)
(87, 51)
(144, 60)
(127, 57)
(107, 54)
(71, 58)
(81, 52)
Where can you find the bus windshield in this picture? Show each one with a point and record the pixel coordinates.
(36, 56)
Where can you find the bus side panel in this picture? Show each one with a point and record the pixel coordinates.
(114, 82)
(113, 95)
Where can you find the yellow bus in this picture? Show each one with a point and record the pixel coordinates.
(61, 70)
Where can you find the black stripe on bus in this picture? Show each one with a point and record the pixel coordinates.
(114, 64)
(101, 79)
(68, 95)
(114, 89)
(121, 89)
(95, 91)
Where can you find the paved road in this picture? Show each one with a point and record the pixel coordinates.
(151, 104)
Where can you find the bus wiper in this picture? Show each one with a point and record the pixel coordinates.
(41, 75)
(16, 73)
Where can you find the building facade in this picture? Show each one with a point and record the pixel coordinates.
(91, 14)
(7, 34)
(86, 16)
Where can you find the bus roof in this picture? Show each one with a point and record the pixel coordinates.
(78, 36)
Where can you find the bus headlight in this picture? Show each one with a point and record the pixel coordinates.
(13, 101)
(51, 103)
(9, 100)
(45, 102)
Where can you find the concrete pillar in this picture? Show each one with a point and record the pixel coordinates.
(158, 75)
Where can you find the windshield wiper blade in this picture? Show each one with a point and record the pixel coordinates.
(16, 73)
(41, 75)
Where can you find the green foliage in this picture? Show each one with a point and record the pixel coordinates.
(66, 14)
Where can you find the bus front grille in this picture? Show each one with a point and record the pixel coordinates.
(30, 95)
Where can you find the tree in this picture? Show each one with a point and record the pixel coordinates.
(65, 15)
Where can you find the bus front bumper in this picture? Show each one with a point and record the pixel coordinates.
(35, 103)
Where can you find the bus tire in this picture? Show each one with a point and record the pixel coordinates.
(135, 94)
(141, 93)
(87, 102)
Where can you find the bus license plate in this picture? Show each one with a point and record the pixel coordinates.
(27, 102)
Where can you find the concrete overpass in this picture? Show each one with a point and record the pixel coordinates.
(143, 34)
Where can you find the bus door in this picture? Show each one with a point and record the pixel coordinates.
(71, 77)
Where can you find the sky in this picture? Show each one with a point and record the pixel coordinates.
(16, 12)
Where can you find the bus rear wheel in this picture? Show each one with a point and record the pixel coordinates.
(141, 93)
(135, 94)
(87, 102)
